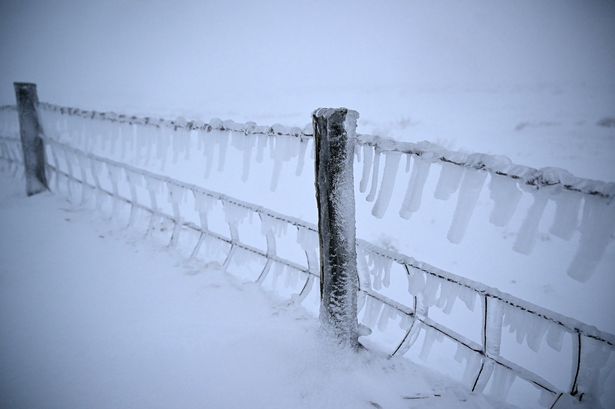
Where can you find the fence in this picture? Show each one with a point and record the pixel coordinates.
(486, 369)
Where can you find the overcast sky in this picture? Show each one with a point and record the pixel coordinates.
(78, 51)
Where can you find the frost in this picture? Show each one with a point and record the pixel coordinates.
(469, 193)
(388, 182)
(414, 191)
(597, 226)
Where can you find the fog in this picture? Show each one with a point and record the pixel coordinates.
(159, 54)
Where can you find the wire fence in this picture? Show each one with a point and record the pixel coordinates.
(429, 288)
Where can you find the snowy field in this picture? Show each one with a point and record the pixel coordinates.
(532, 81)
(93, 316)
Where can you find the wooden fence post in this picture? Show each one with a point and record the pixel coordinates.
(30, 130)
(334, 135)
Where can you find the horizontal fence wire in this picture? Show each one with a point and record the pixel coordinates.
(530, 176)
(499, 165)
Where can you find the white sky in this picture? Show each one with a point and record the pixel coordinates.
(83, 51)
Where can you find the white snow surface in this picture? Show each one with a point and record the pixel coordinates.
(95, 316)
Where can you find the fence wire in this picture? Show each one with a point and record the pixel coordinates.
(418, 305)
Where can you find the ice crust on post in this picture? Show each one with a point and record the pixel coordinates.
(334, 131)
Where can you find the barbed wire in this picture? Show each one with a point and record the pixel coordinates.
(499, 165)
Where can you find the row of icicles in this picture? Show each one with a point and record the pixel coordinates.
(151, 146)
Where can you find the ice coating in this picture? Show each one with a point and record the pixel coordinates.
(235, 214)
(471, 186)
(566, 221)
(506, 196)
(502, 380)
(449, 180)
(379, 268)
(416, 184)
(526, 238)
(284, 149)
(272, 225)
(388, 183)
(597, 226)
(375, 170)
(431, 336)
(368, 156)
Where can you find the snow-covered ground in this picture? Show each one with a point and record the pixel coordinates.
(94, 316)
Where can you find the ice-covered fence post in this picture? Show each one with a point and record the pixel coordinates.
(31, 142)
(334, 134)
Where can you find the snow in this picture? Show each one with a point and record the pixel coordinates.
(123, 322)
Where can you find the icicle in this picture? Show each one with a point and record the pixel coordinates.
(368, 156)
(431, 336)
(261, 144)
(526, 238)
(502, 381)
(284, 149)
(449, 180)
(432, 285)
(235, 214)
(505, 195)
(203, 204)
(385, 315)
(134, 180)
(272, 225)
(375, 170)
(472, 363)
(162, 146)
(176, 195)
(471, 186)
(448, 295)
(416, 282)
(301, 158)
(468, 297)
(388, 182)
(597, 226)
(244, 143)
(222, 141)
(555, 336)
(372, 312)
(414, 191)
(114, 176)
(567, 206)
(493, 327)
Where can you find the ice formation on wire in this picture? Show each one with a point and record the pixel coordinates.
(471, 186)
(391, 163)
(414, 192)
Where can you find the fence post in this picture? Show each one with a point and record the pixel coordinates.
(30, 130)
(334, 135)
